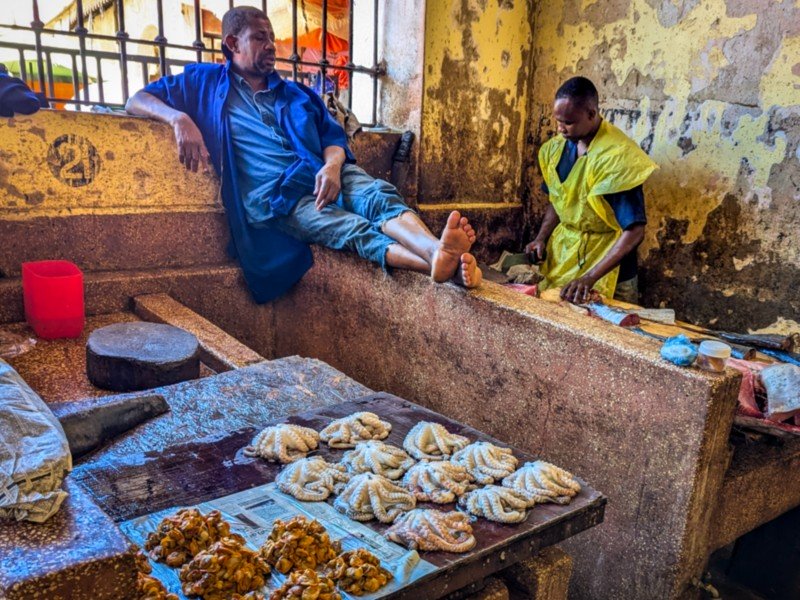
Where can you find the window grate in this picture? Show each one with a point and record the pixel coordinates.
(80, 82)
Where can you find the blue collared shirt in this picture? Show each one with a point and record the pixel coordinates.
(271, 261)
(263, 152)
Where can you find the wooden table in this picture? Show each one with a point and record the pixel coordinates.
(211, 468)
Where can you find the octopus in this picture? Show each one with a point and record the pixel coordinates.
(298, 544)
(357, 572)
(306, 585)
(283, 443)
(486, 462)
(347, 432)
(496, 503)
(369, 496)
(541, 482)
(179, 537)
(226, 569)
(312, 479)
(429, 529)
(378, 458)
(440, 481)
(432, 441)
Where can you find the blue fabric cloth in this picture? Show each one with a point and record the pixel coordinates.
(353, 223)
(263, 153)
(272, 261)
(16, 97)
(628, 207)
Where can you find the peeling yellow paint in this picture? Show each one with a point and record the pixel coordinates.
(780, 85)
(57, 163)
(491, 43)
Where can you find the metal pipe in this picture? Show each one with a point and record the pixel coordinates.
(75, 85)
(350, 63)
(37, 27)
(102, 95)
(375, 65)
(122, 39)
(294, 57)
(82, 31)
(49, 64)
(23, 71)
(161, 40)
(323, 63)
(198, 31)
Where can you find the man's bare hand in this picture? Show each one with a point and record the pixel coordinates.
(536, 250)
(578, 291)
(328, 185)
(191, 149)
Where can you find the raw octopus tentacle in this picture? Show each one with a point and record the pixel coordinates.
(432, 441)
(369, 496)
(486, 462)
(427, 529)
(496, 503)
(379, 458)
(440, 482)
(312, 479)
(360, 426)
(283, 443)
(541, 482)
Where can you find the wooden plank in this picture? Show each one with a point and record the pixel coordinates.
(207, 469)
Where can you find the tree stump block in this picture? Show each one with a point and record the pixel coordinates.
(127, 357)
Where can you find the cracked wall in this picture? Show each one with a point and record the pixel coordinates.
(712, 91)
(476, 80)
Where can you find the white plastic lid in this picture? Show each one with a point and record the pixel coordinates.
(715, 349)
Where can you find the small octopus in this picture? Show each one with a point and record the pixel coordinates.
(312, 479)
(283, 443)
(541, 482)
(346, 432)
(369, 496)
(440, 481)
(486, 462)
(379, 458)
(496, 503)
(429, 529)
(432, 441)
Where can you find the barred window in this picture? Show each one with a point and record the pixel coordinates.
(95, 53)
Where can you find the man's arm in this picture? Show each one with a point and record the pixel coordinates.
(539, 244)
(578, 290)
(329, 177)
(191, 149)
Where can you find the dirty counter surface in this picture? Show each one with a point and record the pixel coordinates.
(195, 472)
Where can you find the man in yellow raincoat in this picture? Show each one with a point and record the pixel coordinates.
(593, 174)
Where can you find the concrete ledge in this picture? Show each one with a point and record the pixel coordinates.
(79, 554)
(544, 577)
(761, 484)
(116, 242)
(219, 350)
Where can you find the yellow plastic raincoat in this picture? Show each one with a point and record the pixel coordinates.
(588, 228)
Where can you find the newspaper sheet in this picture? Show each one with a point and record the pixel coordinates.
(251, 514)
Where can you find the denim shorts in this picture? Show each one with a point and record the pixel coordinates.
(354, 222)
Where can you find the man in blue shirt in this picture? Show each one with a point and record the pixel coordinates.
(288, 176)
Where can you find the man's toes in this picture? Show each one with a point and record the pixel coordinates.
(454, 220)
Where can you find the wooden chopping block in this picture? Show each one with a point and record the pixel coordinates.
(126, 357)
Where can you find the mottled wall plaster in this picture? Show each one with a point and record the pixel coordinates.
(476, 80)
(711, 90)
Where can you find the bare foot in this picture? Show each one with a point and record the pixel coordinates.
(457, 238)
(469, 275)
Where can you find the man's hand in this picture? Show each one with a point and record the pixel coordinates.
(328, 184)
(191, 149)
(578, 291)
(536, 250)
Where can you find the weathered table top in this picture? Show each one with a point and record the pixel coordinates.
(207, 469)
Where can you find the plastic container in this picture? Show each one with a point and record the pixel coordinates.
(53, 295)
(713, 356)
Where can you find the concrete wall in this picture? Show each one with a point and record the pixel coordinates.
(476, 80)
(711, 90)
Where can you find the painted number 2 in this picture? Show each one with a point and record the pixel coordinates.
(73, 160)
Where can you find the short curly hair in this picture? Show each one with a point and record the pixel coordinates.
(236, 20)
(580, 90)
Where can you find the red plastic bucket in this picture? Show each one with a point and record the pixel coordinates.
(53, 295)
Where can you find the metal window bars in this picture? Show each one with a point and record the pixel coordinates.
(81, 57)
